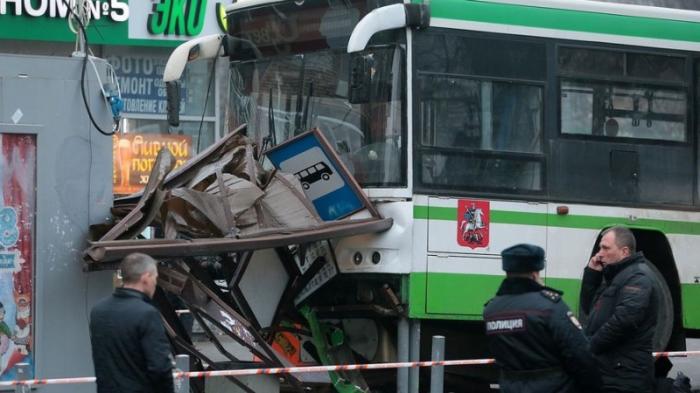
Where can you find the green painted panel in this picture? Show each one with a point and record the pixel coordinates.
(540, 17)
(416, 294)
(462, 296)
(417, 307)
(421, 212)
(522, 218)
(47, 29)
(99, 33)
(571, 288)
(567, 221)
(691, 305)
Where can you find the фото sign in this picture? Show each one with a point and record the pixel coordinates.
(141, 83)
(135, 154)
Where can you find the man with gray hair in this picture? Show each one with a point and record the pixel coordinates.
(130, 350)
(617, 293)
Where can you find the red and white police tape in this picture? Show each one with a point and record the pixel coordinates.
(295, 370)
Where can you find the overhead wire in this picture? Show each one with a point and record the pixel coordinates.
(206, 99)
(83, 31)
(82, 18)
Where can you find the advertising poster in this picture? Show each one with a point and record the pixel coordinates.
(17, 210)
(135, 154)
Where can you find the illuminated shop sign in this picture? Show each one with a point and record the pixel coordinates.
(135, 154)
(116, 10)
(176, 19)
(115, 22)
(187, 20)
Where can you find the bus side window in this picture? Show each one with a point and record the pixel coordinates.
(624, 127)
(482, 134)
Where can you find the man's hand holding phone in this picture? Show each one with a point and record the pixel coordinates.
(596, 263)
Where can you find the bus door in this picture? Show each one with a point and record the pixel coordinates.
(465, 239)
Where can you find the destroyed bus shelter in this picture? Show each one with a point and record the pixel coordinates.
(240, 249)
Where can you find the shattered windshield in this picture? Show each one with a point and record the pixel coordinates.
(291, 72)
(285, 96)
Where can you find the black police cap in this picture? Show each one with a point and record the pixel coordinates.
(523, 258)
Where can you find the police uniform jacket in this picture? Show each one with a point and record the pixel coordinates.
(537, 342)
(621, 309)
(130, 350)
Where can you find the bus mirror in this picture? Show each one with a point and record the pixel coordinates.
(360, 78)
(172, 89)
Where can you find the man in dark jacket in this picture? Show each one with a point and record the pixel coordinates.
(536, 340)
(617, 293)
(130, 350)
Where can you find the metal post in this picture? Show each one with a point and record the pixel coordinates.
(437, 373)
(182, 363)
(22, 375)
(414, 356)
(402, 348)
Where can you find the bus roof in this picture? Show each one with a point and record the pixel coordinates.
(611, 21)
(244, 4)
(586, 20)
(612, 7)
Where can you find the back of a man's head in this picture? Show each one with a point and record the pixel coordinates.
(623, 237)
(133, 266)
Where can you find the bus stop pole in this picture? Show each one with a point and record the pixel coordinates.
(22, 375)
(403, 341)
(182, 363)
(437, 373)
(414, 356)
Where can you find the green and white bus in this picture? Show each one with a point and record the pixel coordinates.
(478, 124)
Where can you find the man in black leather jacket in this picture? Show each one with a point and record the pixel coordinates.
(617, 293)
(536, 340)
(130, 350)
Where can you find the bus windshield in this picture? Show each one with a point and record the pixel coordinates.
(302, 83)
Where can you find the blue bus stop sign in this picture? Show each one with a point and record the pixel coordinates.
(323, 181)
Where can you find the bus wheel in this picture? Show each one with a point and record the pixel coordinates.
(664, 313)
(305, 185)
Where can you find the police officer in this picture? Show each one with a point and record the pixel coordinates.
(536, 340)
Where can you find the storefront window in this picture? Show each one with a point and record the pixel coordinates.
(144, 128)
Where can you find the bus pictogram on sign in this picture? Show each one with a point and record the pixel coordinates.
(314, 173)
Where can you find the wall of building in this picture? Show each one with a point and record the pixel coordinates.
(74, 163)
(40, 98)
